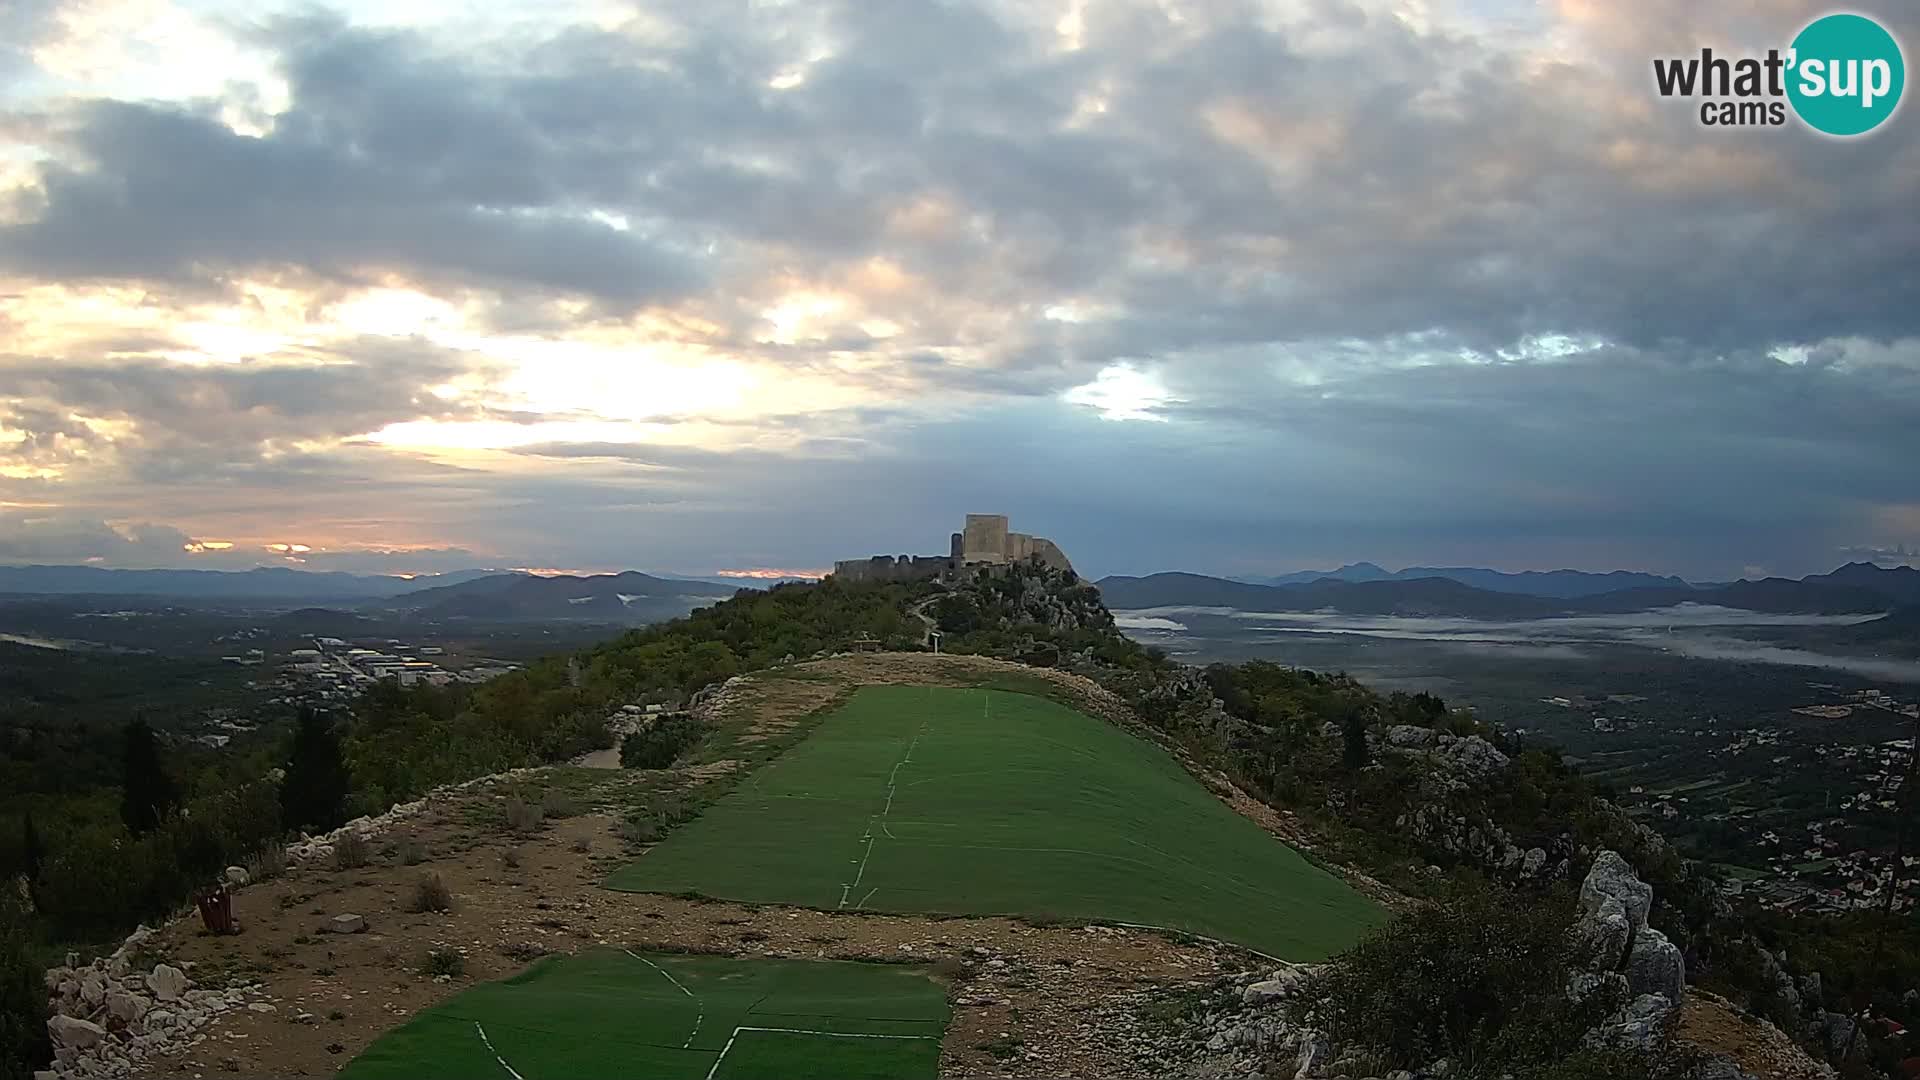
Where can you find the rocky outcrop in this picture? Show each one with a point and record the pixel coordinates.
(109, 1017)
(1465, 758)
(1655, 966)
(1612, 877)
(1629, 959)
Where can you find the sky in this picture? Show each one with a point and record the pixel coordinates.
(701, 285)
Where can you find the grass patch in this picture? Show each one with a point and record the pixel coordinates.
(936, 800)
(604, 1012)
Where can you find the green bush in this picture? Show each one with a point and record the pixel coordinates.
(661, 745)
(23, 996)
(1479, 978)
(444, 961)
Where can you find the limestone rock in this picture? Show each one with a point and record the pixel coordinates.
(1607, 932)
(73, 1032)
(236, 876)
(1613, 876)
(1267, 991)
(1412, 738)
(347, 924)
(126, 1008)
(1655, 966)
(1474, 755)
(168, 982)
(1637, 1026)
(1532, 862)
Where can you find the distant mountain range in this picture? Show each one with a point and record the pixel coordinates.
(629, 597)
(269, 582)
(1857, 588)
(1560, 583)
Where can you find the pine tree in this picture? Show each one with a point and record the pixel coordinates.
(313, 794)
(30, 851)
(24, 1046)
(148, 796)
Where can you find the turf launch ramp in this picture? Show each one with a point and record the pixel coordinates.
(985, 802)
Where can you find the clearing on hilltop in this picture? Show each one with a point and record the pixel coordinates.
(985, 802)
(612, 1012)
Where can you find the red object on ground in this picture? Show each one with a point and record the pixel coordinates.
(216, 910)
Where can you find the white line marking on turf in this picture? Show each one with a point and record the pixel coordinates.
(496, 1053)
(699, 1017)
(864, 899)
(798, 1031)
(893, 779)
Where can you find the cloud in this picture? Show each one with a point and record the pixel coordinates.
(1416, 283)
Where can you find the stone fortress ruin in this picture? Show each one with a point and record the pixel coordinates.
(984, 543)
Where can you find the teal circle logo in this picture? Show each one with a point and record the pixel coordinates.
(1847, 74)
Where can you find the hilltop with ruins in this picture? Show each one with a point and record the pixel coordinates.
(985, 542)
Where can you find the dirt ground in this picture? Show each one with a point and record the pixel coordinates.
(1711, 1023)
(333, 994)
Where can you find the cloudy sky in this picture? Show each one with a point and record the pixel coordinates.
(692, 285)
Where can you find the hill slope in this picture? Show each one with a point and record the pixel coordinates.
(626, 597)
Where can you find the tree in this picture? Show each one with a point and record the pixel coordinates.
(23, 997)
(313, 794)
(30, 851)
(1353, 738)
(148, 795)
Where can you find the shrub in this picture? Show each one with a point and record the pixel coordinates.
(412, 852)
(583, 846)
(267, 862)
(661, 745)
(510, 859)
(444, 961)
(523, 816)
(1479, 977)
(558, 804)
(430, 893)
(23, 996)
(351, 851)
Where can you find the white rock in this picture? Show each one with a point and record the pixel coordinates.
(126, 1007)
(347, 924)
(168, 982)
(72, 1032)
(93, 988)
(261, 1007)
(1267, 992)
(237, 876)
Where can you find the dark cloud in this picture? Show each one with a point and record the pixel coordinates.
(1421, 295)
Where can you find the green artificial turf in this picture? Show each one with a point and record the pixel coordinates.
(608, 1012)
(981, 802)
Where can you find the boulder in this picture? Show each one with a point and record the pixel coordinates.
(347, 924)
(126, 1008)
(1410, 737)
(1474, 755)
(1655, 966)
(1607, 932)
(73, 1032)
(1613, 876)
(236, 876)
(1532, 862)
(168, 982)
(1267, 992)
(93, 989)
